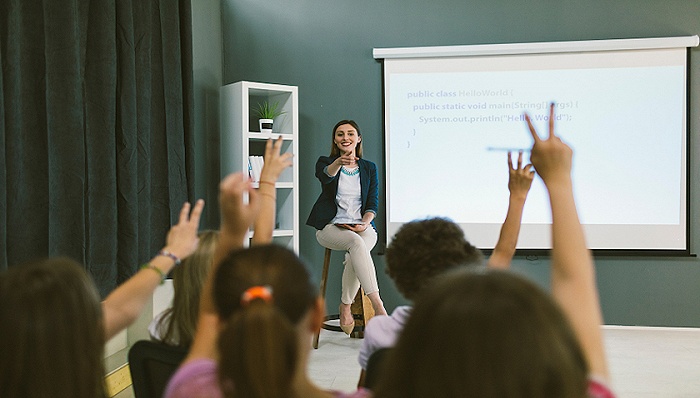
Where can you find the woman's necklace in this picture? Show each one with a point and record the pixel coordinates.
(348, 172)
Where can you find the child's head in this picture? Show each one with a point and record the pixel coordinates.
(485, 333)
(51, 331)
(265, 297)
(188, 279)
(422, 249)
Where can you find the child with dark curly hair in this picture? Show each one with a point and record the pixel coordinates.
(488, 333)
(423, 249)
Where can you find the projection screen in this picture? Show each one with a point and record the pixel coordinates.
(453, 113)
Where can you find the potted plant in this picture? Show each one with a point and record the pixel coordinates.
(266, 113)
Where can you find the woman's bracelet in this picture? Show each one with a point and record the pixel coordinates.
(156, 269)
(267, 182)
(172, 256)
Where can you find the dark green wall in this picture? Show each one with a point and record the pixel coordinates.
(207, 72)
(325, 48)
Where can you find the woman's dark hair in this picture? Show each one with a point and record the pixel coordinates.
(485, 333)
(334, 148)
(422, 249)
(51, 331)
(258, 346)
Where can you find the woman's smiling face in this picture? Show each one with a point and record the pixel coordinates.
(346, 138)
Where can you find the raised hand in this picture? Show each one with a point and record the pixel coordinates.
(573, 282)
(182, 238)
(275, 162)
(519, 178)
(551, 157)
(519, 183)
(124, 305)
(237, 216)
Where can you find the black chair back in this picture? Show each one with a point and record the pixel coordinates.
(151, 364)
(375, 364)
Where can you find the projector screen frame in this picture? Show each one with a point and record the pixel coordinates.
(381, 54)
(536, 47)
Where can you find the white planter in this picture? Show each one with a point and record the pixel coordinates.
(266, 126)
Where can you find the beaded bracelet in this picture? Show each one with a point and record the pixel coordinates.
(156, 269)
(172, 256)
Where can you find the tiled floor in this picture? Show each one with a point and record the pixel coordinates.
(334, 364)
(654, 362)
(644, 362)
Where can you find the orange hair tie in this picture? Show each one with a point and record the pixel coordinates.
(263, 293)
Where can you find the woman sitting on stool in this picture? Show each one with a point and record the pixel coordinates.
(343, 215)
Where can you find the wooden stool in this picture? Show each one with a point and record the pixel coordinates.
(361, 308)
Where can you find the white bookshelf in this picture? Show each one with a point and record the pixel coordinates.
(241, 137)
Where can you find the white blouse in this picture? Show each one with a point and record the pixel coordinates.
(348, 197)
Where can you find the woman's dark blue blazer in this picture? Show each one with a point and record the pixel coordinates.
(325, 208)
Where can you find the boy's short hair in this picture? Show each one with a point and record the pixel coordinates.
(422, 249)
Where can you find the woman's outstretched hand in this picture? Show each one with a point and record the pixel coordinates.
(346, 159)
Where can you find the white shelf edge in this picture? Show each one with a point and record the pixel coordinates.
(259, 88)
(254, 135)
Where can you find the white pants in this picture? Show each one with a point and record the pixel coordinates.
(359, 267)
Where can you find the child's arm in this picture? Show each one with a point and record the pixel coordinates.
(236, 218)
(573, 273)
(519, 182)
(124, 305)
(267, 192)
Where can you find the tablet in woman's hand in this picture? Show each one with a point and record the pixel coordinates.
(347, 225)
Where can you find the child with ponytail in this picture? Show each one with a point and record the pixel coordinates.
(258, 309)
(272, 310)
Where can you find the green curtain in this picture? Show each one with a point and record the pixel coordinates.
(96, 105)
